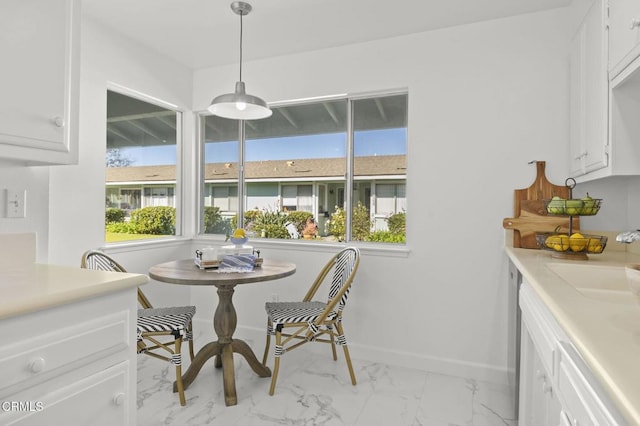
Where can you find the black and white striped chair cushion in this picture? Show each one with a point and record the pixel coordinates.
(173, 319)
(293, 312)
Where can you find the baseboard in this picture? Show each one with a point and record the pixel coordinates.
(255, 338)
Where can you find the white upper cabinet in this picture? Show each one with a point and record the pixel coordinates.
(39, 81)
(589, 93)
(624, 33)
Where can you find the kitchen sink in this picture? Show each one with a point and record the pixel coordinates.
(604, 283)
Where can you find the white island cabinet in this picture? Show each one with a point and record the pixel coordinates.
(68, 351)
(39, 81)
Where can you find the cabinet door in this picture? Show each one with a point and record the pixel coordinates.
(39, 84)
(538, 405)
(624, 30)
(589, 94)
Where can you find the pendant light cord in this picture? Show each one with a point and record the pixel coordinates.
(241, 46)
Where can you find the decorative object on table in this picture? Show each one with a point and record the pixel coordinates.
(571, 244)
(237, 263)
(530, 213)
(240, 105)
(296, 323)
(239, 237)
(207, 258)
(174, 323)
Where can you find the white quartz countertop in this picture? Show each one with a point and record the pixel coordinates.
(35, 287)
(606, 331)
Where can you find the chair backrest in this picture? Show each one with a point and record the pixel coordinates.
(344, 266)
(95, 259)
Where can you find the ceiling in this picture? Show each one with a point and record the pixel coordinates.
(205, 33)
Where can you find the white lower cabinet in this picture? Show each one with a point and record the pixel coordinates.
(556, 386)
(73, 364)
(538, 402)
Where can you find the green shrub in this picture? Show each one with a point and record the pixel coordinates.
(213, 221)
(121, 228)
(336, 225)
(159, 220)
(386, 237)
(361, 223)
(275, 231)
(114, 214)
(397, 223)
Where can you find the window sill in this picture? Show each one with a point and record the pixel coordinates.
(371, 249)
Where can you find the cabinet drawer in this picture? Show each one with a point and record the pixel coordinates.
(45, 355)
(98, 400)
(584, 403)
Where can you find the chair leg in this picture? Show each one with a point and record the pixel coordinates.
(346, 354)
(179, 385)
(266, 346)
(191, 353)
(332, 337)
(276, 364)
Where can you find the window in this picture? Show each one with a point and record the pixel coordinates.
(141, 179)
(297, 164)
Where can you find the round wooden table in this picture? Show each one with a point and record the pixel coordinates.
(185, 272)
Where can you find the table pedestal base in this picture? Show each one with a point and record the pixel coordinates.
(224, 323)
(224, 354)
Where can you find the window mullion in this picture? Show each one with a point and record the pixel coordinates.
(348, 184)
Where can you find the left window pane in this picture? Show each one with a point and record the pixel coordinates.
(221, 162)
(141, 158)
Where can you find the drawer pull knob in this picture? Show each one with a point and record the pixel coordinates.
(36, 365)
(58, 121)
(118, 399)
(635, 23)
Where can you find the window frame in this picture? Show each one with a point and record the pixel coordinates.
(179, 185)
(349, 178)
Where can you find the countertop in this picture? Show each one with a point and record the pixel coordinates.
(605, 332)
(30, 288)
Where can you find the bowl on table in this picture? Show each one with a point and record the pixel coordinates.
(239, 241)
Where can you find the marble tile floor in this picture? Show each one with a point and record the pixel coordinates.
(314, 390)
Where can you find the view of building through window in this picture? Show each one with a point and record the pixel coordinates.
(140, 197)
(297, 165)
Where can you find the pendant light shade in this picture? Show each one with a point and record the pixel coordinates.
(239, 105)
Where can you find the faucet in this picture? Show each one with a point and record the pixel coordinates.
(628, 236)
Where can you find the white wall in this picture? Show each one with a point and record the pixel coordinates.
(484, 100)
(77, 192)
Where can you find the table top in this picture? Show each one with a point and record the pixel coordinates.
(186, 272)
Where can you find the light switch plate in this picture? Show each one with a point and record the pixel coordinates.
(16, 203)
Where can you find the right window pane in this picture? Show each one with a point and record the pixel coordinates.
(379, 169)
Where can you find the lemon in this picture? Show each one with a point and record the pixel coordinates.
(552, 241)
(594, 246)
(577, 242)
(562, 243)
(239, 233)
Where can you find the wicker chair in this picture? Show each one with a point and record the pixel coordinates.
(297, 323)
(160, 331)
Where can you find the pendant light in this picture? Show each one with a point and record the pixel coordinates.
(239, 105)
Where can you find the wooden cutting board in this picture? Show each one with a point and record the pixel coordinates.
(530, 215)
